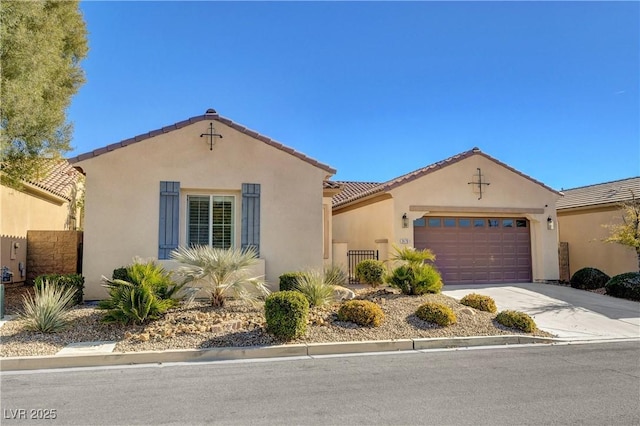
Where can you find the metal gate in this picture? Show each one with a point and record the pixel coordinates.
(357, 256)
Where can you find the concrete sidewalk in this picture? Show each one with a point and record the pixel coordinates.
(564, 311)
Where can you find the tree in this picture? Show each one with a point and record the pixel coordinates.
(42, 44)
(628, 232)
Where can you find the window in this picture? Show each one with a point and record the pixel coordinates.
(210, 221)
(493, 223)
(449, 222)
(478, 223)
(464, 223)
(521, 223)
(434, 222)
(507, 223)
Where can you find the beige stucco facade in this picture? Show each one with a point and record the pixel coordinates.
(584, 229)
(445, 191)
(122, 197)
(30, 208)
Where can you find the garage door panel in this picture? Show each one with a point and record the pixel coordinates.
(479, 254)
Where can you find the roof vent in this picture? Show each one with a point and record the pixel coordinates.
(211, 111)
(475, 149)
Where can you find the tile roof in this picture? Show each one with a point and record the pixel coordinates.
(330, 184)
(361, 190)
(211, 114)
(59, 178)
(601, 193)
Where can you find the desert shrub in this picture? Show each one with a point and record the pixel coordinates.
(73, 281)
(412, 256)
(334, 275)
(120, 274)
(436, 313)
(47, 310)
(148, 292)
(371, 272)
(625, 285)
(515, 319)
(416, 279)
(480, 302)
(589, 279)
(312, 285)
(361, 312)
(286, 314)
(225, 272)
(288, 281)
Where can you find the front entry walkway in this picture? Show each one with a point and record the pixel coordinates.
(564, 311)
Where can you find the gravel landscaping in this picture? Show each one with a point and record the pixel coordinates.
(200, 326)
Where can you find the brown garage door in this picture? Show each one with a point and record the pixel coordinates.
(477, 250)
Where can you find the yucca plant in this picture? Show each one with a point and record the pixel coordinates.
(411, 256)
(334, 275)
(225, 272)
(312, 284)
(47, 310)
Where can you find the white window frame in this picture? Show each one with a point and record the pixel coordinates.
(211, 197)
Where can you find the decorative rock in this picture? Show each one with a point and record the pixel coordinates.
(342, 293)
(467, 311)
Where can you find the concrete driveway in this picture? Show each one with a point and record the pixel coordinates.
(564, 311)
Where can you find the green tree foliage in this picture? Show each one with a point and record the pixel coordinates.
(628, 232)
(42, 44)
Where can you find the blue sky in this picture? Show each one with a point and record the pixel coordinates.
(378, 89)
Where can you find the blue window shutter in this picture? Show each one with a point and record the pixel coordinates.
(251, 216)
(168, 236)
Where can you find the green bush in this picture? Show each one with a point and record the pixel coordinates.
(436, 313)
(515, 319)
(626, 286)
(74, 281)
(289, 280)
(415, 279)
(147, 293)
(286, 314)
(120, 274)
(334, 275)
(371, 272)
(480, 302)
(361, 312)
(312, 285)
(47, 310)
(589, 279)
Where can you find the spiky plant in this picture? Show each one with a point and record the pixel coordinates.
(313, 286)
(224, 272)
(334, 275)
(132, 302)
(47, 310)
(412, 256)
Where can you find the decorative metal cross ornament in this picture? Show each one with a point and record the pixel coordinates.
(212, 134)
(479, 182)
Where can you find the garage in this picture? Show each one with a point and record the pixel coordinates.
(477, 250)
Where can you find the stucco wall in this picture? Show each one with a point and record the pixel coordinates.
(446, 192)
(584, 232)
(22, 211)
(122, 198)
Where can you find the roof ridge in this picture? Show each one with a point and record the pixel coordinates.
(602, 183)
(210, 114)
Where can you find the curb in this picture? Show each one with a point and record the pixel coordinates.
(257, 352)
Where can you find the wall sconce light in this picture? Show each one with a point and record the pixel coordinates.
(405, 221)
(550, 224)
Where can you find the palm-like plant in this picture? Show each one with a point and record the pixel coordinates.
(412, 256)
(225, 272)
(47, 310)
(314, 286)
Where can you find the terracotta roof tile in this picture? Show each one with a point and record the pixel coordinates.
(59, 178)
(354, 191)
(209, 115)
(329, 184)
(601, 193)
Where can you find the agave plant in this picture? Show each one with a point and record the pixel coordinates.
(225, 272)
(47, 310)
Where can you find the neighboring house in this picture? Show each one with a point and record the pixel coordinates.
(583, 214)
(49, 204)
(485, 221)
(204, 180)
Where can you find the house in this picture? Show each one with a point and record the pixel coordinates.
(204, 180)
(583, 214)
(485, 221)
(47, 204)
